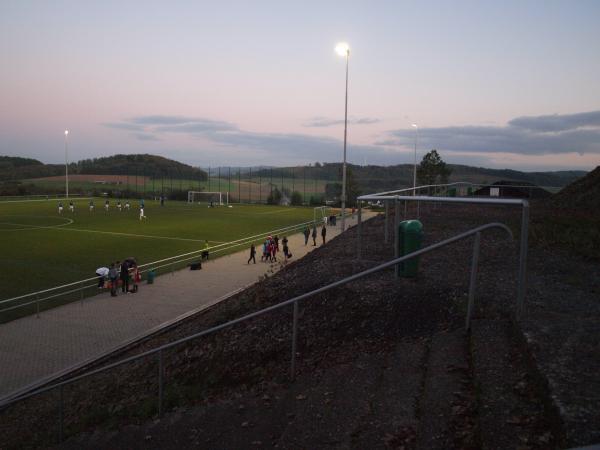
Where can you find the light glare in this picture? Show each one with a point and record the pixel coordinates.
(66, 132)
(342, 49)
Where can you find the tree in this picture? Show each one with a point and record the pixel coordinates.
(296, 199)
(431, 168)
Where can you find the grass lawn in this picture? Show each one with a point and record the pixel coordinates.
(42, 249)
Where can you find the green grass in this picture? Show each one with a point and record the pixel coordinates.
(42, 249)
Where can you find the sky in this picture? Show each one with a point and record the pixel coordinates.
(511, 84)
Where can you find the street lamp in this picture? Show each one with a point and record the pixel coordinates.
(66, 163)
(414, 125)
(343, 49)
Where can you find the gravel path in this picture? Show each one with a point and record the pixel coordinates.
(33, 350)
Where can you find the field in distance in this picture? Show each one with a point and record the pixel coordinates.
(42, 249)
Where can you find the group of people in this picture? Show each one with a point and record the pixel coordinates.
(71, 207)
(307, 233)
(120, 206)
(270, 248)
(125, 274)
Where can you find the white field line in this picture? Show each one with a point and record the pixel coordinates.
(33, 227)
(145, 236)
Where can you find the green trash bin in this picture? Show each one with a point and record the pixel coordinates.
(151, 275)
(410, 236)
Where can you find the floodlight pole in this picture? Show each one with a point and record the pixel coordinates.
(67, 163)
(345, 139)
(415, 165)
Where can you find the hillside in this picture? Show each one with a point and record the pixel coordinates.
(12, 168)
(378, 178)
(583, 193)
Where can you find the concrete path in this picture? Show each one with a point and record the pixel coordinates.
(32, 349)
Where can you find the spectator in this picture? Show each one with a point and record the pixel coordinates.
(252, 254)
(314, 235)
(306, 235)
(125, 277)
(323, 233)
(113, 276)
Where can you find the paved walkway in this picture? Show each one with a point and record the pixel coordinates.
(33, 349)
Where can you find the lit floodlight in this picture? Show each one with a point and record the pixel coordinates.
(342, 49)
(66, 132)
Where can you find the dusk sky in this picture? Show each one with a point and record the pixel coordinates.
(503, 84)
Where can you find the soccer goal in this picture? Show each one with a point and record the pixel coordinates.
(216, 198)
(321, 214)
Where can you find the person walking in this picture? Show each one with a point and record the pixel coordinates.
(306, 235)
(113, 276)
(252, 254)
(314, 235)
(323, 233)
(125, 277)
(286, 249)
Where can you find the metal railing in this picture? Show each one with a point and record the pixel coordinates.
(524, 232)
(38, 297)
(158, 351)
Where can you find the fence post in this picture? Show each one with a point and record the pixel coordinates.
(60, 414)
(81, 293)
(359, 231)
(523, 259)
(294, 341)
(473, 281)
(387, 222)
(37, 305)
(172, 269)
(396, 237)
(160, 383)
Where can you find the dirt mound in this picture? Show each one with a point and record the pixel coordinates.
(583, 193)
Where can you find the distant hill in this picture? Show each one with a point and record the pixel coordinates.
(148, 165)
(379, 178)
(368, 178)
(14, 168)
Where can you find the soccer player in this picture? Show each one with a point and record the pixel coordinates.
(142, 216)
(92, 205)
(106, 205)
(71, 206)
(119, 205)
(127, 205)
(60, 207)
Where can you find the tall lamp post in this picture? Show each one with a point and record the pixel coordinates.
(343, 49)
(67, 163)
(414, 125)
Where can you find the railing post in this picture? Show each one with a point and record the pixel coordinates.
(160, 383)
(396, 237)
(81, 293)
(473, 281)
(387, 222)
(523, 259)
(172, 269)
(359, 231)
(60, 414)
(294, 341)
(37, 306)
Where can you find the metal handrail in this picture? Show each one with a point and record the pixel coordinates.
(524, 238)
(172, 260)
(293, 301)
(459, 183)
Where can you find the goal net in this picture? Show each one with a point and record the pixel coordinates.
(216, 198)
(321, 214)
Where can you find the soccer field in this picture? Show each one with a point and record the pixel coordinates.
(42, 248)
